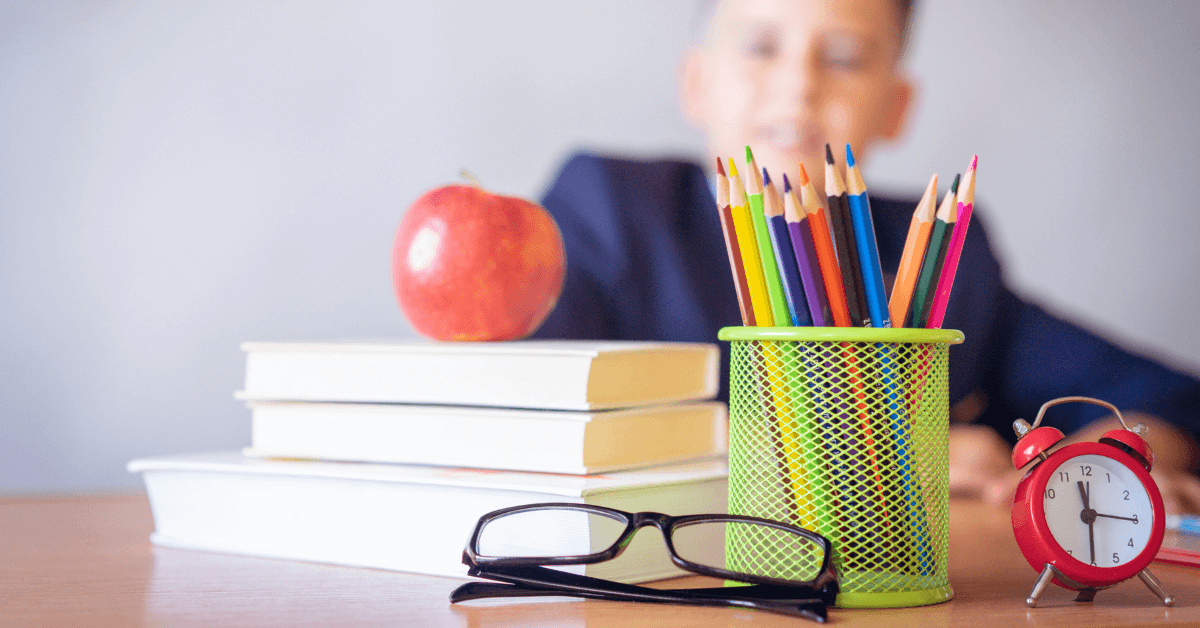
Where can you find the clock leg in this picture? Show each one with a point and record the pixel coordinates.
(1085, 595)
(1156, 587)
(1039, 587)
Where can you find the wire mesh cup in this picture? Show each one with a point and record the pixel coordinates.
(844, 431)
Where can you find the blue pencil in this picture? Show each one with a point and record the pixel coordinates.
(785, 256)
(868, 250)
(1188, 524)
(877, 305)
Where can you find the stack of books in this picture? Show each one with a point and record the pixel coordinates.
(385, 455)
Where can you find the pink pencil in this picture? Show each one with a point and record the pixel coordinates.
(966, 203)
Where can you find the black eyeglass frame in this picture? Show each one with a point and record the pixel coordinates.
(635, 521)
(796, 601)
(528, 575)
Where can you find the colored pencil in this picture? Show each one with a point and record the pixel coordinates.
(806, 256)
(781, 406)
(782, 244)
(1187, 524)
(861, 492)
(843, 237)
(818, 222)
(908, 512)
(766, 252)
(935, 256)
(914, 250)
(725, 212)
(966, 204)
(744, 228)
(868, 247)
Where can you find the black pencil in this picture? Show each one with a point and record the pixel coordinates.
(843, 235)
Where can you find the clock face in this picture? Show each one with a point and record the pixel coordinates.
(1098, 510)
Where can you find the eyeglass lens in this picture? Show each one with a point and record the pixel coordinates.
(750, 548)
(549, 532)
(740, 547)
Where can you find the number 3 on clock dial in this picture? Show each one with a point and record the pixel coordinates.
(1119, 508)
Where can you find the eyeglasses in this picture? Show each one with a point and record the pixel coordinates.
(788, 569)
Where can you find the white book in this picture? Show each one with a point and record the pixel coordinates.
(399, 517)
(493, 438)
(546, 374)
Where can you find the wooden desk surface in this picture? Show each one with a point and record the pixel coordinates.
(87, 561)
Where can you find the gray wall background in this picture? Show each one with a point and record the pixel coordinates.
(176, 178)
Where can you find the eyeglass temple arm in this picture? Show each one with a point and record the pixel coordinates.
(540, 581)
(542, 578)
(482, 590)
(824, 588)
(812, 609)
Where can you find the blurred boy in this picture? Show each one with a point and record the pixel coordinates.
(646, 257)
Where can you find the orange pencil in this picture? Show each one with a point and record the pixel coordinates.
(731, 247)
(914, 252)
(826, 257)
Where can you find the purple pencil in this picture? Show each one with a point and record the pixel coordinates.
(781, 243)
(806, 257)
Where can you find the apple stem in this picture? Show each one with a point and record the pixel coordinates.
(466, 174)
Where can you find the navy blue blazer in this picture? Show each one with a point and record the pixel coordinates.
(646, 261)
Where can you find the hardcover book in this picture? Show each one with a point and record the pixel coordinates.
(550, 441)
(399, 517)
(544, 374)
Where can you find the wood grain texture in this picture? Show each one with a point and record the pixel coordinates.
(87, 561)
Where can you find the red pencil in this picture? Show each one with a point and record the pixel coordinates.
(966, 204)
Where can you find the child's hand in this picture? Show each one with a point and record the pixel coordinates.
(1180, 490)
(980, 463)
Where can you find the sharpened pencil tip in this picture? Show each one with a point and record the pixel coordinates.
(766, 177)
(974, 161)
(803, 175)
(954, 186)
(849, 157)
(749, 155)
(732, 168)
(787, 185)
(720, 168)
(929, 197)
(828, 155)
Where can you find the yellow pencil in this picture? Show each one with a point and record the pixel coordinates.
(744, 227)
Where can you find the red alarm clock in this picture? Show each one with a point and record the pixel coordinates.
(1087, 516)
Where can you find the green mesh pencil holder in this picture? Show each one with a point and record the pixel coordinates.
(844, 431)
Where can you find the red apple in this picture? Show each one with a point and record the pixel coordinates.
(471, 265)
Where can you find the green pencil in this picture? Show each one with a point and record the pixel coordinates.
(766, 252)
(935, 256)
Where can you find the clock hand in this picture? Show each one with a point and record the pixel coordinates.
(1093, 513)
(1091, 538)
(1088, 517)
